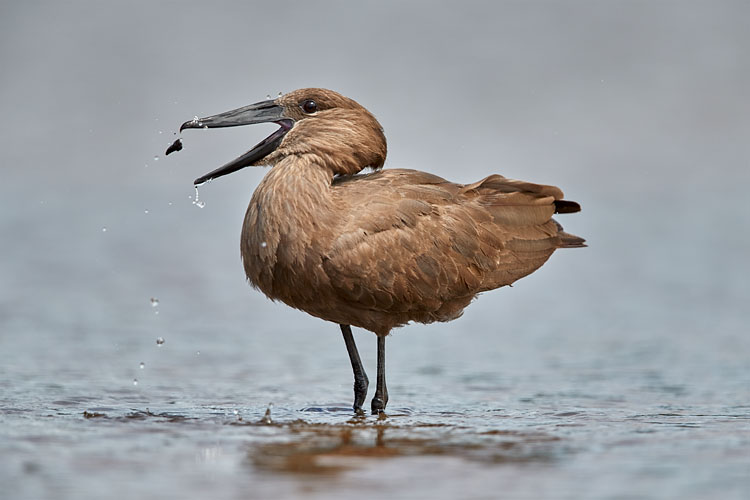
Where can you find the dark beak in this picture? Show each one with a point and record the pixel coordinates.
(260, 112)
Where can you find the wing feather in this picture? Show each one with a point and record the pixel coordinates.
(414, 242)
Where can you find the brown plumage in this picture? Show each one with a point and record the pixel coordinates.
(377, 250)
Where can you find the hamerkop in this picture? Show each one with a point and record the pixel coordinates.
(376, 250)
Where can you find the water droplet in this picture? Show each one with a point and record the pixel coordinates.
(263, 244)
(194, 120)
(154, 302)
(142, 365)
(156, 158)
(267, 416)
(145, 211)
(280, 94)
(146, 165)
(197, 353)
(170, 203)
(104, 229)
(160, 341)
(236, 412)
(160, 132)
(268, 97)
(197, 201)
(200, 124)
(135, 381)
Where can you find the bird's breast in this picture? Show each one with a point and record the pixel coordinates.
(285, 235)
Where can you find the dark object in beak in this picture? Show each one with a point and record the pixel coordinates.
(260, 112)
(175, 146)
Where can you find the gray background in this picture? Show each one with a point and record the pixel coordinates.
(638, 110)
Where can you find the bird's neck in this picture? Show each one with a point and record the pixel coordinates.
(294, 188)
(290, 216)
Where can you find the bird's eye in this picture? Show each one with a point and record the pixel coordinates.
(309, 106)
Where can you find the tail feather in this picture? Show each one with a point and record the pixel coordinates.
(571, 240)
(568, 240)
(566, 207)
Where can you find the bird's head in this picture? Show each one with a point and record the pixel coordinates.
(343, 135)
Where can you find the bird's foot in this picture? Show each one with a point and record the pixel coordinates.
(378, 404)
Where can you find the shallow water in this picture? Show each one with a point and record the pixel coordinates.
(617, 371)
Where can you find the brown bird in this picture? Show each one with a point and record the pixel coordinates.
(380, 249)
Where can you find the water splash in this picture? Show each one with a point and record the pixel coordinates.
(197, 201)
(267, 416)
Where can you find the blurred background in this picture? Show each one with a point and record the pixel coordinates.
(638, 110)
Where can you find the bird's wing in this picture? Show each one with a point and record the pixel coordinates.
(413, 241)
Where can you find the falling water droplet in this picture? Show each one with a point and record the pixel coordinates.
(154, 302)
(156, 158)
(104, 229)
(263, 244)
(160, 341)
(142, 365)
(135, 381)
(160, 132)
(280, 94)
(170, 203)
(145, 211)
(268, 97)
(197, 353)
(197, 201)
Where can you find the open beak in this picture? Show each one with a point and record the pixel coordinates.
(260, 112)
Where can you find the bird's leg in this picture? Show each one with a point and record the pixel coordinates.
(381, 392)
(360, 377)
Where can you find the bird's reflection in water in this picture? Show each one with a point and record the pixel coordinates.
(329, 449)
